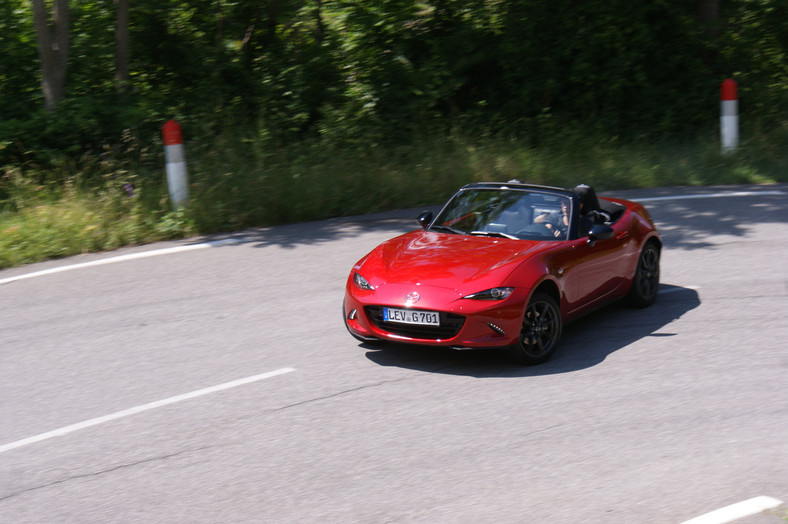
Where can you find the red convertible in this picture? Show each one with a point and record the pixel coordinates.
(504, 265)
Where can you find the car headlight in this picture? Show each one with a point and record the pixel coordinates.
(496, 293)
(361, 282)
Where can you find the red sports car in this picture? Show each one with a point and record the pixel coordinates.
(504, 265)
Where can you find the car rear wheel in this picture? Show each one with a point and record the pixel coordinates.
(541, 330)
(645, 283)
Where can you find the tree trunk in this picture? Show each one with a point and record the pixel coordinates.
(710, 20)
(321, 27)
(122, 46)
(709, 17)
(53, 43)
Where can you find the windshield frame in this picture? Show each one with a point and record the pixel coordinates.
(488, 209)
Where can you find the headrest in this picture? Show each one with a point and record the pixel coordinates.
(587, 197)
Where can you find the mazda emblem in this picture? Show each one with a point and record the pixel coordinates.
(412, 297)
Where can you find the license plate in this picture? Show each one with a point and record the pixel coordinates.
(409, 316)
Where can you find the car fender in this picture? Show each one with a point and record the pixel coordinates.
(534, 274)
(643, 230)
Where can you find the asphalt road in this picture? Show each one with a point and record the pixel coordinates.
(118, 400)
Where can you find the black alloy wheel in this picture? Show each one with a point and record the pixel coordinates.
(645, 283)
(541, 330)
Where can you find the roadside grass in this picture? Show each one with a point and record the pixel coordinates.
(238, 182)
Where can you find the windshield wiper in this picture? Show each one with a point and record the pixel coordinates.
(447, 229)
(494, 234)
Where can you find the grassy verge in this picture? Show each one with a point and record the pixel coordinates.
(237, 182)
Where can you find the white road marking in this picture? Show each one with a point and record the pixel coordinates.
(139, 409)
(709, 195)
(192, 247)
(122, 258)
(737, 511)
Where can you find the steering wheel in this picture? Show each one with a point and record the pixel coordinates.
(540, 230)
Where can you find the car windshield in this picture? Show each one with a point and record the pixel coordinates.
(509, 213)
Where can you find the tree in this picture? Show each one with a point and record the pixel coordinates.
(122, 45)
(53, 45)
(709, 16)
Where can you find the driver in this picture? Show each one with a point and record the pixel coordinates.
(558, 224)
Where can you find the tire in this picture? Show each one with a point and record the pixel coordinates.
(541, 331)
(645, 282)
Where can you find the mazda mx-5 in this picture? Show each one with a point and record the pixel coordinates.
(504, 265)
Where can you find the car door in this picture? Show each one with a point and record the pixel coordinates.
(591, 273)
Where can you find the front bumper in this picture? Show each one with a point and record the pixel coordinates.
(465, 323)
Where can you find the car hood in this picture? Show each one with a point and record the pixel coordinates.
(460, 262)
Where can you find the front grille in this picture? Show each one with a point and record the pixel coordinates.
(450, 325)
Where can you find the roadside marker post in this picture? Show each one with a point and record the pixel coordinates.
(729, 116)
(177, 178)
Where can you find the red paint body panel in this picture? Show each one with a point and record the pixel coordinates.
(443, 268)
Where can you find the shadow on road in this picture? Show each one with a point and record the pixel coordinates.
(585, 343)
(684, 223)
(310, 233)
(728, 211)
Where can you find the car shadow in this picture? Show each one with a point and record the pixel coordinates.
(585, 342)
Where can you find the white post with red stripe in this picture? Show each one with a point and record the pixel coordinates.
(729, 115)
(177, 178)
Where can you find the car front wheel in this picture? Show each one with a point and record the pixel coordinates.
(645, 283)
(541, 330)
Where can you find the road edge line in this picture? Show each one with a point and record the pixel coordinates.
(141, 408)
(737, 511)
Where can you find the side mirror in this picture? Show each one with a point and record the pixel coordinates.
(599, 232)
(424, 218)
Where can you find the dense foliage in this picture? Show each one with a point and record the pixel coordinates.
(388, 70)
